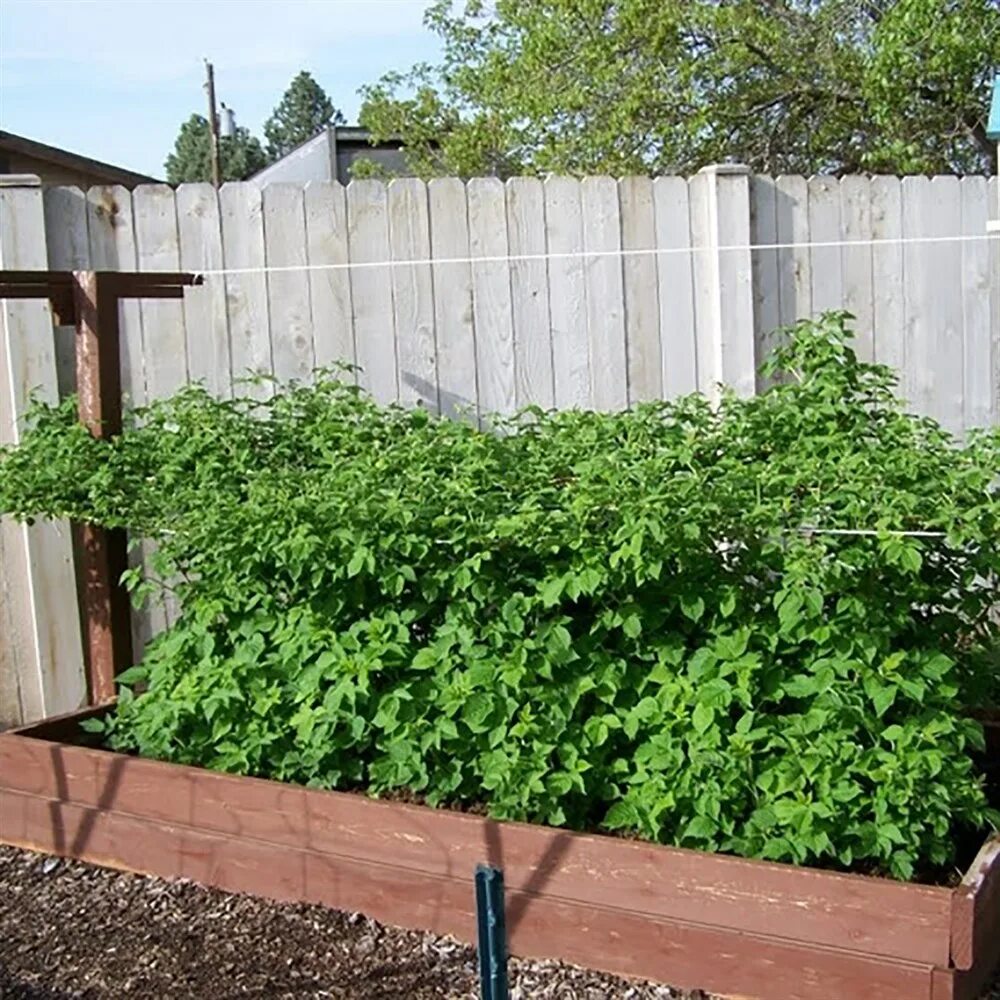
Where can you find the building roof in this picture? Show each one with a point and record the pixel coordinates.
(324, 156)
(11, 143)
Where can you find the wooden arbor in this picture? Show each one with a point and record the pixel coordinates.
(88, 300)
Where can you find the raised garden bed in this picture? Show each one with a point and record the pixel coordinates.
(724, 924)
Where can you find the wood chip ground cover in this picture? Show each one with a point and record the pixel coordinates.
(70, 931)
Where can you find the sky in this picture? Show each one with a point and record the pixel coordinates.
(114, 79)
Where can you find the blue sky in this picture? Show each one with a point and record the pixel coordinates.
(114, 79)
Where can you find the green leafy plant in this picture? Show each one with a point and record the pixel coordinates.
(639, 621)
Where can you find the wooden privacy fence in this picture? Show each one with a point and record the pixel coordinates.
(462, 326)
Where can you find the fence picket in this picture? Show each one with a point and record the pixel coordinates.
(856, 262)
(766, 279)
(795, 264)
(206, 323)
(529, 289)
(289, 313)
(329, 290)
(933, 300)
(675, 287)
(825, 226)
(456, 337)
(605, 295)
(413, 292)
(642, 335)
(112, 248)
(888, 315)
(158, 249)
(38, 580)
(567, 293)
(371, 290)
(241, 210)
(977, 303)
(491, 303)
(68, 248)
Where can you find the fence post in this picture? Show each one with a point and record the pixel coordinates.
(720, 232)
(41, 652)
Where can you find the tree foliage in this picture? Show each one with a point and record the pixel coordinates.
(304, 111)
(630, 620)
(240, 156)
(633, 86)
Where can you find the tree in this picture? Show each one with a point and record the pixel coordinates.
(659, 86)
(304, 111)
(239, 156)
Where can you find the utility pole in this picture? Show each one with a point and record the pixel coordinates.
(213, 125)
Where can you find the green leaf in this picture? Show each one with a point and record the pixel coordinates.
(478, 708)
(552, 591)
(632, 626)
(133, 675)
(620, 816)
(357, 562)
(882, 699)
(702, 717)
(692, 607)
(700, 828)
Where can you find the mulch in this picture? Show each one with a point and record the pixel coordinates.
(72, 931)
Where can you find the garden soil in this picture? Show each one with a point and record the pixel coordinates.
(70, 931)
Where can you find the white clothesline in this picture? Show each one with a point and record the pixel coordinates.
(594, 254)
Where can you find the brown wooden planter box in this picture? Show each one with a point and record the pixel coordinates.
(687, 918)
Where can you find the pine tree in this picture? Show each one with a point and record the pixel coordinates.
(304, 111)
(240, 156)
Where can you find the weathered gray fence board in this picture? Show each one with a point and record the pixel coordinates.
(453, 319)
(241, 211)
(491, 304)
(675, 287)
(39, 590)
(567, 292)
(413, 292)
(371, 289)
(330, 289)
(289, 308)
(642, 321)
(529, 292)
(206, 320)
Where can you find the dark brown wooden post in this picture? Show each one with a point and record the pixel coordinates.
(108, 645)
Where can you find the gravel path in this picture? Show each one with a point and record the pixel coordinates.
(70, 931)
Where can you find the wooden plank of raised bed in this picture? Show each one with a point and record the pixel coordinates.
(975, 944)
(625, 941)
(795, 903)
